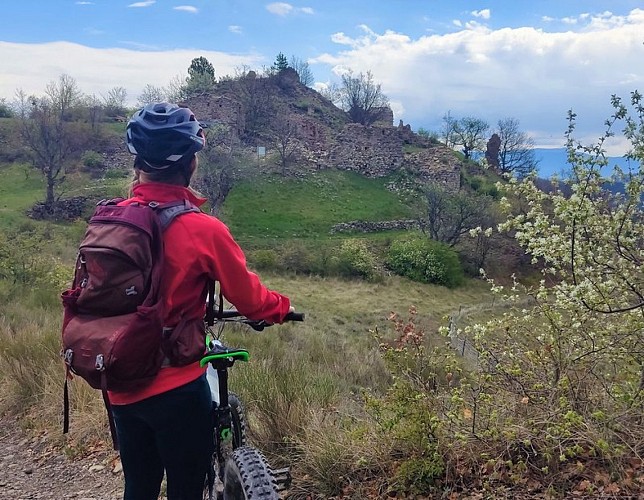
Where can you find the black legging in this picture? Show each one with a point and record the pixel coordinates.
(171, 432)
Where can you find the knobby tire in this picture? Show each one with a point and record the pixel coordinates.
(247, 476)
(238, 416)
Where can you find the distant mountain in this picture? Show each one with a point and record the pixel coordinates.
(554, 161)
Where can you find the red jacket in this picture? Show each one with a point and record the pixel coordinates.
(198, 249)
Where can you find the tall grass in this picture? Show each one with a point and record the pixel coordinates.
(305, 384)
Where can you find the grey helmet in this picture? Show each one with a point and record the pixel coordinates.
(161, 134)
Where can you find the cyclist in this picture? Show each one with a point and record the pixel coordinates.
(167, 425)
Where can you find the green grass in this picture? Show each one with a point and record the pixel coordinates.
(20, 187)
(278, 207)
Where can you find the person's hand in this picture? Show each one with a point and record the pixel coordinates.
(291, 309)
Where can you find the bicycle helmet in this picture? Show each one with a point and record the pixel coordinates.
(161, 134)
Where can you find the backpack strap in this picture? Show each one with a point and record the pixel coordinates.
(110, 418)
(167, 212)
(111, 201)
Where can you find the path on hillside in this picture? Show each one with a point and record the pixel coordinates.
(30, 469)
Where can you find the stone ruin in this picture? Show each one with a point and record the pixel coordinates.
(324, 132)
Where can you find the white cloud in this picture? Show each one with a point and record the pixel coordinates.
(279, 8)
(99, 70)
(342, 39)
(527, 73)
(284, 9)
(84, 3)
(483, 14)
(146, 3)
(233, 28)
(139, 45)
(186, 8)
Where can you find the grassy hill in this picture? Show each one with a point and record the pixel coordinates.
(279, 207)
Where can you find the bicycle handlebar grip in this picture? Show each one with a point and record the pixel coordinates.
(294, 316)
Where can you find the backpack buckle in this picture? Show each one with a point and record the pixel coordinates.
(153, 204)
(100, 363)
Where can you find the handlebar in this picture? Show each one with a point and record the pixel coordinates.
(219, 353)
(234, 315)
(294, 316)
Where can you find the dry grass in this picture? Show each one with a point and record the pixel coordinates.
(303, 387)
(333, 349)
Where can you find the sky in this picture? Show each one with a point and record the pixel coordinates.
(528, 60)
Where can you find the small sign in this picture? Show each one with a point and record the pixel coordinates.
(261, 151)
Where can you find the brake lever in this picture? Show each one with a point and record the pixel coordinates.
(258, 326)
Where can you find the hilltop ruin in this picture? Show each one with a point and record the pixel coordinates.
(255, 110)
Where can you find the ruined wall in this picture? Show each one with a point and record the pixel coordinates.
(385, 117)
(361, 226)
(371, 151)
(220, 109)
(378, 151)
(436, 164)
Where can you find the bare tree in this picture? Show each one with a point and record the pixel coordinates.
(450, 215)
(332, 92)
(175, 90)
(94, 111)
(63, 95)
(258, 98)
(447, 130)
(114, 101)
(45, 131)
(516, 151)
(219, 167)
(303, 71)
(285, 140)
(149, 94)
(362, 98)
(470, 133)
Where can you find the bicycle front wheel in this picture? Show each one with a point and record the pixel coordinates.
(247, 476)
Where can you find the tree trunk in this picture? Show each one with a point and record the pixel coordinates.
(50, 198)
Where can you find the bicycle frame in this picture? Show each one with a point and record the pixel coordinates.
(240, 467)
(221, 359)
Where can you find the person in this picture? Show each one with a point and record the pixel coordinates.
(167, 425)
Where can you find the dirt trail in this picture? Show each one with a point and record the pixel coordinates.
(32, 469)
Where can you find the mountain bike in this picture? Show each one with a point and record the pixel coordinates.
(238, 471)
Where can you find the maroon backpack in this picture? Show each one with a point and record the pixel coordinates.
(113, 313)
(113, 334)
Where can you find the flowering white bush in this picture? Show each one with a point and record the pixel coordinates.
(573, 360)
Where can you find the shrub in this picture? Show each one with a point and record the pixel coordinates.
(22, 263)
(296, 257)
(92, 160)
(426, 261)
(355, 260)
(116, 173)
(263, 259)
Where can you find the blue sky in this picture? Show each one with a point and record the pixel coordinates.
(530, 60)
